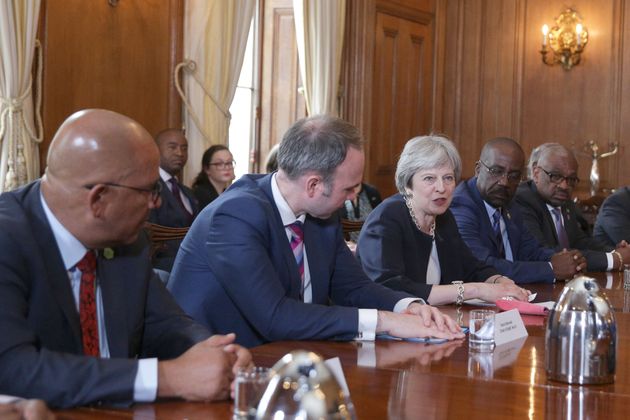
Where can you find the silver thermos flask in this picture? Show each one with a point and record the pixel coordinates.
(581, 335)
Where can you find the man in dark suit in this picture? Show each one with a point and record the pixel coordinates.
(550, 214)
(267, 260)
(613, 221)
(83, 317)
(494, 229)
(179, 205)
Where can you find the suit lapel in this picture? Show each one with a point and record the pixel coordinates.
(56, 273)
(110, 277)
(485, 220)
(295, 283)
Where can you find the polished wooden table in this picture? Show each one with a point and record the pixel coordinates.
(402, 380)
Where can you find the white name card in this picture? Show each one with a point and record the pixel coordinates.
(508, 326)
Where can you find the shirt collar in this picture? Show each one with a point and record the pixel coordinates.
(72, 251)
(491, 210)
(166, 177)
(286, 214)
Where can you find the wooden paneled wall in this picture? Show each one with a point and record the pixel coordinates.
(117, 55)
(495, 84)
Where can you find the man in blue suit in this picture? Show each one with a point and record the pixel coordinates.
(267, 261)
(179, 205)
(83, 319)
(494, 230)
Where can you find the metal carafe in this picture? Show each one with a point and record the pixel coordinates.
(581, 335)
(302, 387)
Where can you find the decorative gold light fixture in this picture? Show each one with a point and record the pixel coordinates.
(566, 40)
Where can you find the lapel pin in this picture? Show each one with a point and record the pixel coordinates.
(108, 253)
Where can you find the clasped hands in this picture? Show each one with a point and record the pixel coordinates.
(205, 372)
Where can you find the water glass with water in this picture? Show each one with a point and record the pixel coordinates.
(481, 334)
(250, 385)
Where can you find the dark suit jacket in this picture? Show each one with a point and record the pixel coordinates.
(395, 253)
(236, 272)
(171, 213)
(540, 224)
(530, 258)
(373, 197)
(613, 221)
(205, 194)
(40, 338)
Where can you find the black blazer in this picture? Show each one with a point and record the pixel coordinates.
(171, 213)
(41, 354)
(373, 196)
(395, 253)
(541, 225)
(205, 194)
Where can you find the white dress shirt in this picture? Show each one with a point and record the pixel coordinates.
(72, 251)
(368, 318)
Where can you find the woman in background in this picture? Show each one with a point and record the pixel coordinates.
(410, 242)
(217, 173)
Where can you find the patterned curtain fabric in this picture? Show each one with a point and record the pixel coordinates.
(215, 37)
(319, 27)
(19, 150)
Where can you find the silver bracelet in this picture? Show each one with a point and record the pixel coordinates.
(460, 292)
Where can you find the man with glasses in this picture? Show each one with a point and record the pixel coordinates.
(83, 318)
(179, 205)
(494, 229)
(551, 216)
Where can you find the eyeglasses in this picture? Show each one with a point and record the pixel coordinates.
(154, 191)
(572, 181)
(223, 165)
(513, 177)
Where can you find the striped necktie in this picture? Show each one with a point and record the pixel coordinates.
(496, 226)
(297, 246)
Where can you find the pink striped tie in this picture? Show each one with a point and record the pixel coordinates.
(297, 246)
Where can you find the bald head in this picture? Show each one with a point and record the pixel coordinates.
(555, 174)
(173, 148)
(101, 169)
(504, 144)
(499, 170)
(99, 146)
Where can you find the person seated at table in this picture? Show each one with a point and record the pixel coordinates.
(366, 199)
(267, 261)
(613, 220)
(216, 175)
(410, 242)
(494, 229)
(550, 214)
(83, 317)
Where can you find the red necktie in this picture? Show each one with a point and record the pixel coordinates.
(87, 304)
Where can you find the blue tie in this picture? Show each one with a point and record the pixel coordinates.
(496, 226)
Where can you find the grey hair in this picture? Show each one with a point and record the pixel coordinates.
(535, 156)
(317, 144)
(426, 152)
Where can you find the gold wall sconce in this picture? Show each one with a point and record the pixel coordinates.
(566, 40)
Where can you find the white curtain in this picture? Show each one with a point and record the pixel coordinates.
(215, 37)
(19, 156)
(319, 30)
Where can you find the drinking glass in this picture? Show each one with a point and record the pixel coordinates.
(481, 335)
(250, 385)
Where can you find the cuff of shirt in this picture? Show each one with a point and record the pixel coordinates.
(610, 261)
(402, 304)
(145, 385)
(368, 319)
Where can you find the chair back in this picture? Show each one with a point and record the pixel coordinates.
(159, 235)
(350, 226)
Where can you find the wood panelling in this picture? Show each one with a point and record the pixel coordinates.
(493, 82)
(281, 102)
(119, 58)
(389, 79)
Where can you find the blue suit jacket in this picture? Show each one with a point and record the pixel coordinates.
(41, 354)
(170, 213)
(395, 253)
(530, 258)
(613, 221)
(235, 271)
